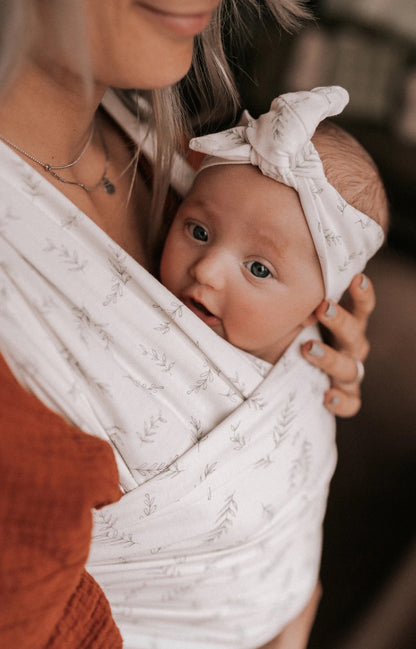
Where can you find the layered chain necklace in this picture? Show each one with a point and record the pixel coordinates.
(104, 181)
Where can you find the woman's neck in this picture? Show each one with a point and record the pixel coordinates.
(48, 113)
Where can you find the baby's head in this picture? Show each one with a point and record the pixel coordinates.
(240, 252)
(351, 170)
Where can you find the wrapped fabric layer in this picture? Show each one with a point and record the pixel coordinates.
(216, 542)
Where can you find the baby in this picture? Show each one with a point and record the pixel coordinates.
(253, 257)
(269, 229)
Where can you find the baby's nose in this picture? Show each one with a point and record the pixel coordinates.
(210, 270)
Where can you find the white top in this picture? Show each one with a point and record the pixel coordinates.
(225, 461)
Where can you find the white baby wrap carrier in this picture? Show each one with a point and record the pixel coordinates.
(225, 461)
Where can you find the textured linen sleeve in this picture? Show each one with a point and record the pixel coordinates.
(51, 476)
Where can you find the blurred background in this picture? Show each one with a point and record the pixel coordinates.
(369, 559)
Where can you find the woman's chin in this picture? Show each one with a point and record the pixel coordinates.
(168, 71)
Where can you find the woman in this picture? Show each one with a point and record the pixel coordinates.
(56, 126)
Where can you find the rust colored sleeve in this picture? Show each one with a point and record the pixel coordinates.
(51, 476)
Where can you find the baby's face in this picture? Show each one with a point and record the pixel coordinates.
(239, 254)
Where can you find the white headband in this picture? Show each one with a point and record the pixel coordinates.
(279, 144)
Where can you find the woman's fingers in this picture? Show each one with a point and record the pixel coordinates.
(344, 397)
(341, 403)
(347, 327)
(342, 361)
(342, 368)
(361, 299)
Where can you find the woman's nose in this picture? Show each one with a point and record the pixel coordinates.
(209, 270)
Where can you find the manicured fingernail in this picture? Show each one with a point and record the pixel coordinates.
(316, 350)
(364, 283)
(331, 311)
(334, 401)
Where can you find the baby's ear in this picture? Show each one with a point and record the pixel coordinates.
(310, 320)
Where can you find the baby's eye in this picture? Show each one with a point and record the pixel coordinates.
(197, 232)
(257, 269)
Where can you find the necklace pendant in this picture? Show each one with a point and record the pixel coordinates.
(108, 185)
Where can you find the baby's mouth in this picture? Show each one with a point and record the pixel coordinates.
(202, 312)
(201, 307)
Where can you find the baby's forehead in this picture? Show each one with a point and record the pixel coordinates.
(234, 172)
(225, 181)
(250, 204)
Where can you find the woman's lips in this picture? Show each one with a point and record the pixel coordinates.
(179, 24)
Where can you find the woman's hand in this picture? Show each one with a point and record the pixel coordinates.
(342, 361)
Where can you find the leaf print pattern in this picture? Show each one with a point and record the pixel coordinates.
(285, 420)
(364, 223)
(120, 275)
(149, 505)
(159, 358)
(332, 238)
(70, 220)
(279, 120)
(300, 467)
(206, 377)
(208, 470)
(349, 260)
(150, 428)
(225, 519)
(117, 436)
(316, 190)
(47, 304)
(264, 462)
(6, 218)
(171, 471)
(70, 258)
(31, 182)
(161, 470)
(236, 135)
(153, 388)
(107, 528)
(175, 311)
(256, 401)
(149, 471)
(239, 387)
(102, 386)
(238, 439)
(198, 434)
(86, 327)
(341, 204)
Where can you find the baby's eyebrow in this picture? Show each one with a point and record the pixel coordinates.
(271, 240)
(195, 204)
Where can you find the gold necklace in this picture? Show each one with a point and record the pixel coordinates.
(104, 181)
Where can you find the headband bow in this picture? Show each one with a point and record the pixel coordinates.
(279, 144)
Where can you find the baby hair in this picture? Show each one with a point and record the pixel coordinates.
(352, 171)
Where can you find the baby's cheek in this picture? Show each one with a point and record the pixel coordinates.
(248, 327)
(166, 271)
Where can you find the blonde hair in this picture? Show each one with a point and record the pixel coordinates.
(210, 73)
(352, 171)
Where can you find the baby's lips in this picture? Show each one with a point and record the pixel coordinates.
(201, 310)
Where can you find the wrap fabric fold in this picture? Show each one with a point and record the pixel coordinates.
(216, 454)
(279, 144)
